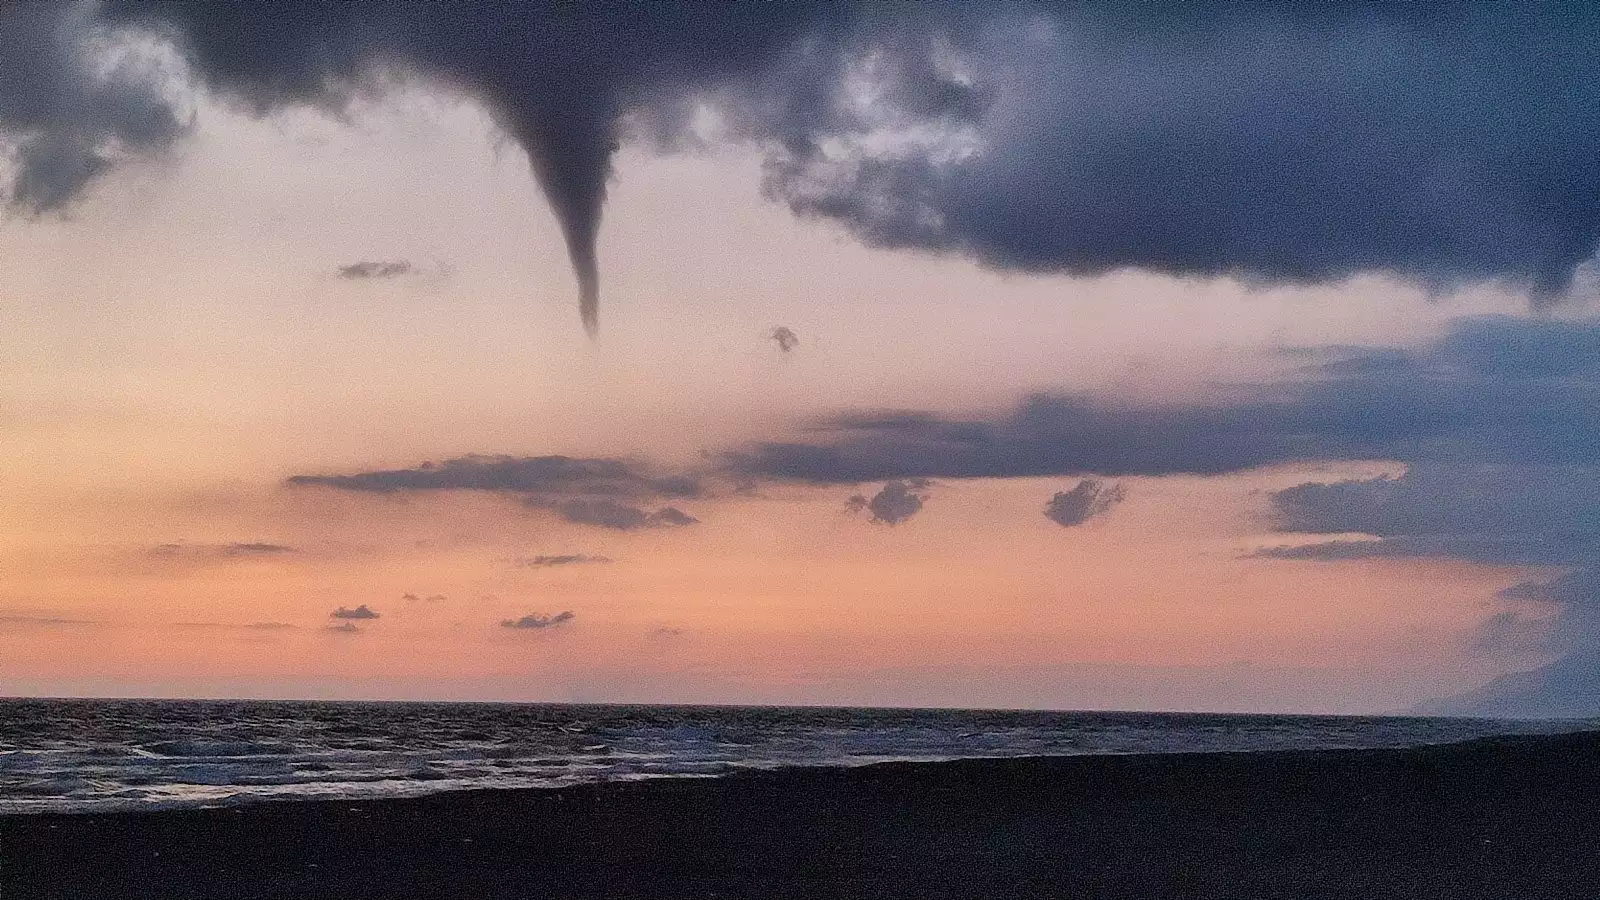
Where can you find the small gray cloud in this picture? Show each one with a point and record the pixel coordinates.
(371, 269)
(895, 503)
(343, 628)
(1091, 497)
(667, 632)
(431, 598)
(785, 338)
(536, 621)
(547, 561)
(360, 612)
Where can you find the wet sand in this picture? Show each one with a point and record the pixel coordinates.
(1515, 818)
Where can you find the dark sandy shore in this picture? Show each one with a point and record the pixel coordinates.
(1514, 818)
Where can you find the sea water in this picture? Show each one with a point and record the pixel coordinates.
(97, 755)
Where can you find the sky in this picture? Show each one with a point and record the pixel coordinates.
(1229, 358)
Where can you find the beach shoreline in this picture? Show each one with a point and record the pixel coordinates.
(1512, 817)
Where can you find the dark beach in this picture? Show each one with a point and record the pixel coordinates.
(1502, 818)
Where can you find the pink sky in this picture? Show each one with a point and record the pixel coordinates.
(179, 345)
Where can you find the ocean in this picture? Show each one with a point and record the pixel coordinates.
(102, 755)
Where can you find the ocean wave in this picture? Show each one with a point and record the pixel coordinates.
(77, 756)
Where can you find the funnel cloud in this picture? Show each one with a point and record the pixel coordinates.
(1293, 143)
(557, 78)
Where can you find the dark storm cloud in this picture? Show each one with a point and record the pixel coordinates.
(557, 77)
(785, 338)
(1500, 514)
(368, 269)
(1498, 422)
(539, 622)
(1475, 397)
(1090, 497)
(360, 612)
(1497, 407)
(1508, 474)
(1298, 142)
(1272, 142)
(896, 502)
(69, 112)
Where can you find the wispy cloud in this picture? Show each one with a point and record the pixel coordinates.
(602, 492)
(546, 561)
(541, 476)
(360, 612)
(247, 626)
(178, 550)
(370, 269)
(261, 549)
(41, 621)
